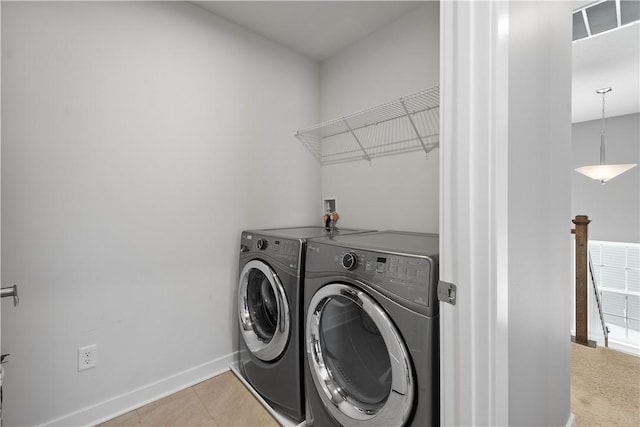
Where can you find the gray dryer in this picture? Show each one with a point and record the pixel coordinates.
(371, 330)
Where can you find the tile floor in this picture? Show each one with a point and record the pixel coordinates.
(221, 401)
(224, 401)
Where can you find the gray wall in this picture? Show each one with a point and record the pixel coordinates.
(138, 140)
(539, 267)
(614, 208)
(396, 192)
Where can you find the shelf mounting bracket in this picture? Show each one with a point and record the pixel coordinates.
(366, 156)
(413, 125)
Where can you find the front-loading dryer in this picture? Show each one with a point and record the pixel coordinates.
(371, 330)
(270, 314)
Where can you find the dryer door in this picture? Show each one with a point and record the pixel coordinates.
(358, 361)
(263, 311)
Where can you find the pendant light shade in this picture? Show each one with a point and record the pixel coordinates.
(604, 172)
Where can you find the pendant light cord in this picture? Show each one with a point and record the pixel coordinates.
(602, 149)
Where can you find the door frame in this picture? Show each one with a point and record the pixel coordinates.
(473, 213)
(505, 189)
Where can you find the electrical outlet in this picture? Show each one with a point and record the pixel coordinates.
(87, 357)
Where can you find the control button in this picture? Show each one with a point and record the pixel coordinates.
(261, 244)
(350, 261)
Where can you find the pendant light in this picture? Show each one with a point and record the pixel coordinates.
(604, 172)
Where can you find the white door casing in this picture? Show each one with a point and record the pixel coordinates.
(505, 77)
(473, 216)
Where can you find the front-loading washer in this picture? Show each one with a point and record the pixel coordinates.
(371, 330)
(270, 314)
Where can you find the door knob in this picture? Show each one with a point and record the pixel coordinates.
(11, 291)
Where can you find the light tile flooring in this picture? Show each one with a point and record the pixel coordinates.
(220, 401)
(605, 391)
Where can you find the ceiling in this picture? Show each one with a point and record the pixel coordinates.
(609, 59)
(320, 29)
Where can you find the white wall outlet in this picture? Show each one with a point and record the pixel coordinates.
(87, 357)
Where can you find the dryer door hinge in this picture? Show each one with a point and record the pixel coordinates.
(447, 292)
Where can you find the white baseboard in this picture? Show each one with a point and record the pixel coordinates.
(571, 422)
(134, 399)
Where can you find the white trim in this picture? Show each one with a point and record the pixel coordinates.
(587, 5)
(0, 187)
(474, 212)
(119, 405)
(621, 347)
(571, 422)
(618, 291)
(610, 243)
(587, 26)
(484, 194)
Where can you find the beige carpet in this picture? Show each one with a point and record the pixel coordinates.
(605, 387)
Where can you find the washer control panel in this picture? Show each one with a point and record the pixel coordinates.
(285, 251)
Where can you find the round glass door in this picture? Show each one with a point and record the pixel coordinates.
(263, 311)
(359, 364)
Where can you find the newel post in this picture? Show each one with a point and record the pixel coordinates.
(581, 222)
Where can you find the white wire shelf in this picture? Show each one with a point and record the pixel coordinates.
(407, 124)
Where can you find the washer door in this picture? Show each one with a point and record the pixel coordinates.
(263, 311)
(359, 363)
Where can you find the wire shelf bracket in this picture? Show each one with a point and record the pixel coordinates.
(408, 124)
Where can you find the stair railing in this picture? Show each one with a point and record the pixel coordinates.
(594, 282)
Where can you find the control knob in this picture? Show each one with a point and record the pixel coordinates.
(261, 244)
(350, 261)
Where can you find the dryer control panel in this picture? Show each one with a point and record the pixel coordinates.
(410, 278)
(406, 277)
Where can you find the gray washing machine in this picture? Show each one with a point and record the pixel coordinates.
(270, 313)
(371, 330)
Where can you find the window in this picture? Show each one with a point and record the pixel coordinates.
(617, 272)
(604, 16)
